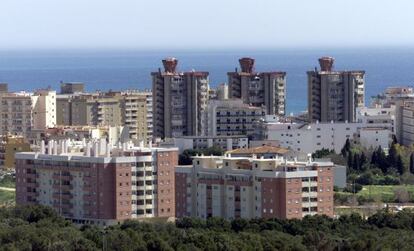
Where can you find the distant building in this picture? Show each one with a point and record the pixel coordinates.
(231, 117)
(71, 88)
(259, 89)
(16, 113)
(240, 187)
(9, 146)
(334, 95)
(179, 101)
(393, 96)
(114, 135)
(44, 109)
(371, 130)
(22, 112)
(132, 109)
(96, 183)
(405, 122)
(4, 88)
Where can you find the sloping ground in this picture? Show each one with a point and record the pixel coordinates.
(7, 198)
(385, 193)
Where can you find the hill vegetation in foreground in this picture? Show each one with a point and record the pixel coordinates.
(40, 228)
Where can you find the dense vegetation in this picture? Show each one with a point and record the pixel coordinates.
(374, 175)
(39, 228)
(7, 181)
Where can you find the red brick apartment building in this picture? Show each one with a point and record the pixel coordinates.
(95, 183)
(244, 187)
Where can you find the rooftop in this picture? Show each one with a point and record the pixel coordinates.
(260, 150)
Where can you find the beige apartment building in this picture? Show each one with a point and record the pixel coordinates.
(231, 117)
(179, 101)
(9, 146)
(334, 95)
(16, 113)
(259, 89)
(21, 112)
(132, 109)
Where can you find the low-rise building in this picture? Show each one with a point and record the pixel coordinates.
(240, 187)
(226, 143)
(308, 138)
(374, 127)
(96, 183)
(267, 152)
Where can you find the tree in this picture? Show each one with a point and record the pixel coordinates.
(394, 139)
(392, 156)
(399, 165)
(379, 159)
(346, 148)
(401, 195)
(318, 154)
(362, 159)
(356, 164)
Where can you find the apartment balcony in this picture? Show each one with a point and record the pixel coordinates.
(62, 177)
(32, 176)
(32, 184)
(310, 204)
(309, 184)
(33, 194)
(309, 213)
(87, 197)
(62, 187)
(309, 194)
(62, 196)
(63, 205)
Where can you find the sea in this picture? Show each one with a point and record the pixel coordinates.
(130, 69)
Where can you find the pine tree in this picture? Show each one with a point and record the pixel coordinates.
(356, 163)
(374, 158)
(399, 165)
(362, 159)
(347, 147)
(350, 160)
(412, 163)
(381, 160)
(394, 139)
(392, 156)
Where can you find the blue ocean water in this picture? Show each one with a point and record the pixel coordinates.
(116, 70)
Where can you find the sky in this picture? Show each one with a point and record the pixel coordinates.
(207, 24)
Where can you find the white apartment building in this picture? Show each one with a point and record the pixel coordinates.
(374, 128)
(44, 109)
